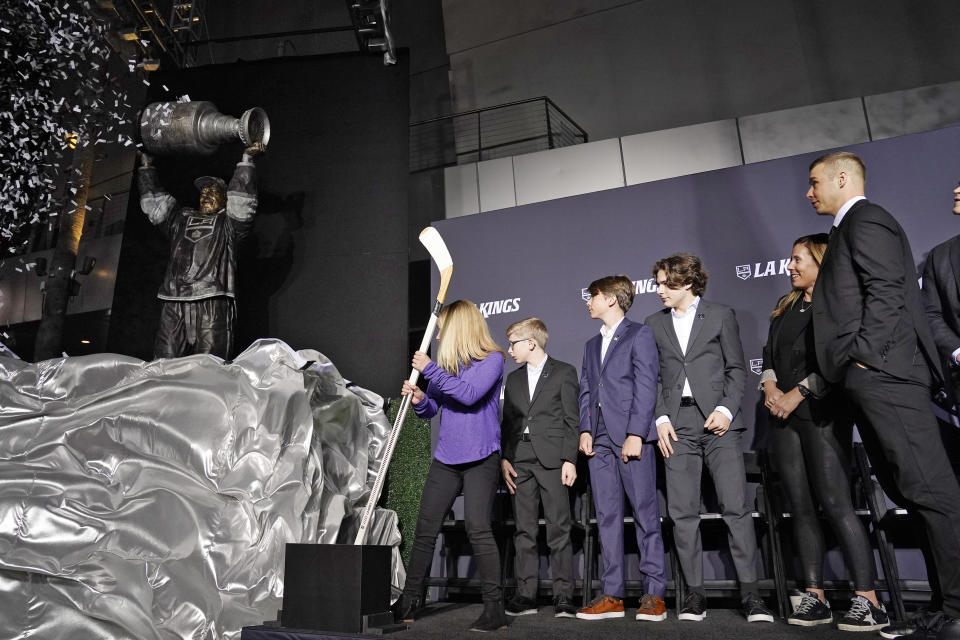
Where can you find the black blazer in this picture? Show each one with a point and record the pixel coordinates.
(553, 415)
(941, 295)
(866, 305)
(941, 300)
(795, 364)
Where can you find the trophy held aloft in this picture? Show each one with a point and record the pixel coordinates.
(172, 128)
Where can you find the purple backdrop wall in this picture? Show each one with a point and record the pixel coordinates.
(535, 260)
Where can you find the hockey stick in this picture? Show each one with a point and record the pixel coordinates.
(429, 238)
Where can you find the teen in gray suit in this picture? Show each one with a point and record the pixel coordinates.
(539, 441)
(702, 377)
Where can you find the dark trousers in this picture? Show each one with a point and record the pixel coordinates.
(684, 467)
(900, 432)
(198, 326)
(610, 479)
(536, 482)
(444, 481)
(814, 464)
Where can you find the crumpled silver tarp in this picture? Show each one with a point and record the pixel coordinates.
(149, 500)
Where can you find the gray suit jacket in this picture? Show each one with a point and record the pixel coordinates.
(713, 361)
(552, 416)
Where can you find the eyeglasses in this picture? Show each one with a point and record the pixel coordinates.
(514, 342)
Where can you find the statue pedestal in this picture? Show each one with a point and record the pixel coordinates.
(337, 587)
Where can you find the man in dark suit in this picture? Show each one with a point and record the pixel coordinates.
(539, 443)
(871, 337)
(702, 377)
(941, 299)
(618, 392)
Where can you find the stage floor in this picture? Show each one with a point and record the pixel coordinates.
(449, 621)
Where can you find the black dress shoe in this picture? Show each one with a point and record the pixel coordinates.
(950, 629)
(406, 608)
(925, 625)
(491, 619)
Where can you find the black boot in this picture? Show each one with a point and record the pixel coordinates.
(406, 608)
(491, 619)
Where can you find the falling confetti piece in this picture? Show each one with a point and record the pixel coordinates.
(56, 88)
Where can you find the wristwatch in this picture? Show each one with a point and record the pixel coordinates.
(803, 391)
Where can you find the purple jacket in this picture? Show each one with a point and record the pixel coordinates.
(470, 422)
(624, 386)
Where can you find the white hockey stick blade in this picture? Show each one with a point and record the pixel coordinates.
(430, 238)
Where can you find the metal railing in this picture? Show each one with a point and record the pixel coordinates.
(506, 130)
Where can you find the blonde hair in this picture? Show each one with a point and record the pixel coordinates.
(842, 161)
(816, 244)
(464, 337)
(533, 327)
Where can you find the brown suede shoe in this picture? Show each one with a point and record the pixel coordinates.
(602, 607)
(652, 608)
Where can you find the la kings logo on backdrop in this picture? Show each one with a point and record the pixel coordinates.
(756, 365)
(762, 269)
(496, 307)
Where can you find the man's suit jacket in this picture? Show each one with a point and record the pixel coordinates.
(941, 295)
(552, 415)
(866, 303)
(623, 386)
(941, 300)
(713, 362)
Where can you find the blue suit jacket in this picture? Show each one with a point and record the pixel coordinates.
(624, 386)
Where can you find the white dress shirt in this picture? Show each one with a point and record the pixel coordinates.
(683, 325)
(846, 207)
(607, 338)
(533, 374)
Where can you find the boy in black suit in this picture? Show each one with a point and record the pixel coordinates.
(539, 442)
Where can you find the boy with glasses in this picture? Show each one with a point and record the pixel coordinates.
(539, 443)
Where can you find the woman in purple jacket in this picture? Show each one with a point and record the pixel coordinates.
(465, 382)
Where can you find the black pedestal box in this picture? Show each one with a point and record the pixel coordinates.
(336, 587)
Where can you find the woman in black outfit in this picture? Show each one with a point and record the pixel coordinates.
(809, 426)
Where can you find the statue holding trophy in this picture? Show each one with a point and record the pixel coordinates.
(198, 291)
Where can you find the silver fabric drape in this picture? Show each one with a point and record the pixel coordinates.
(153, 500)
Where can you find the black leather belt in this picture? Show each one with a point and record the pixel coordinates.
(687, 401)
(524, 437)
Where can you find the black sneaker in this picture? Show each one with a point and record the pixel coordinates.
(810, 612)
(795, 596)
(922, 625)
(754, 610)
(863, 616)
(520, 605)
(491, 619)
(694, 607)
(562, 608)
